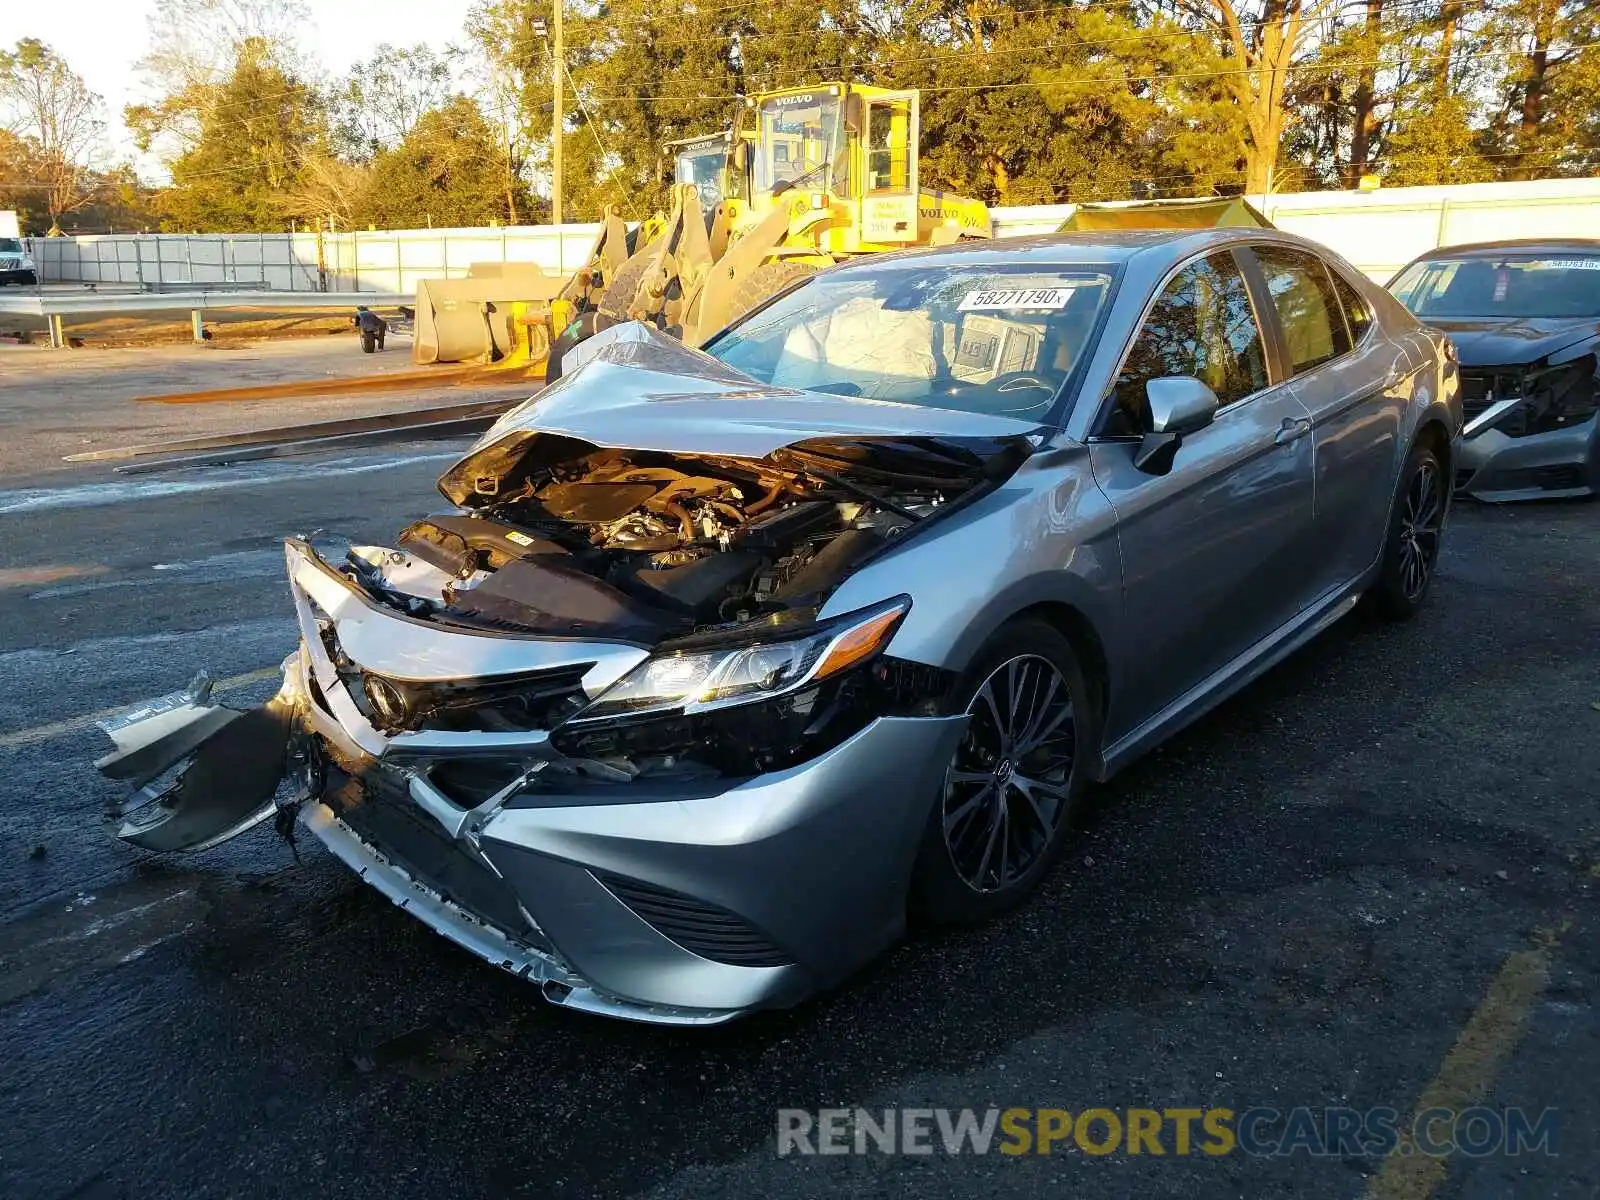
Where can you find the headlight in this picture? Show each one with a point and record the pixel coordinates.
(691, 681)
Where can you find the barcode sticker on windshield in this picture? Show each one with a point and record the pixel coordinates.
(1571, 264)
(1014, 299)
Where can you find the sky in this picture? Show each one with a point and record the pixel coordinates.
(102, 39)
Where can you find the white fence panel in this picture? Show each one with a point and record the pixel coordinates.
(1377, 231)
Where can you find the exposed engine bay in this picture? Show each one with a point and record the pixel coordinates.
(644, 546)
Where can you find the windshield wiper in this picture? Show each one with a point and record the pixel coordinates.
(789, 184)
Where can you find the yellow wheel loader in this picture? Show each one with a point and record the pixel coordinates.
(504, 313)
(814, 175)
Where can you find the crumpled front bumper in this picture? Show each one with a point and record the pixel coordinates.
(1493, 466)
(799, 877)
(685, 902)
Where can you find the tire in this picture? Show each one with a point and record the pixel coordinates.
(369, 341)
(31, 279)
(764, 282)
(1411, 545)
(971, 840)
(620, 291)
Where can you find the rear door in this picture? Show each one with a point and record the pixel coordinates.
(1214, 552)
(1353, 381)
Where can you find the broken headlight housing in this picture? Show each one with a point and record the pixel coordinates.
(1564, 394)
(690, 681)
(755, 705)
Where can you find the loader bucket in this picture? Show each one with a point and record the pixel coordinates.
(460, 320)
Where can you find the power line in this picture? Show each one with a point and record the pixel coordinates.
(1061, 10)
(605, 154)
(1106, 78)
(511, 108)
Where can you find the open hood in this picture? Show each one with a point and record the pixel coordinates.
(647, 391)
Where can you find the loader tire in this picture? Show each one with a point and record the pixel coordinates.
(764, 282)
(621, 290)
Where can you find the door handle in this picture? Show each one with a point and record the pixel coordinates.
(1292, 429)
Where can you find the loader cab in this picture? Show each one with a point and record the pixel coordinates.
(800, 142)
(707, 162)
(851, 145)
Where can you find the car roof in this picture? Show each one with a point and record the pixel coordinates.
(1107, 247)
(1518, 245)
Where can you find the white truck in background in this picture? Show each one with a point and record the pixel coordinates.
(15, 264)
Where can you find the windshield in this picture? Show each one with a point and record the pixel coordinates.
(1549, 285)
(800, 138)
(703, 166)
(987, 340)
(10, 246)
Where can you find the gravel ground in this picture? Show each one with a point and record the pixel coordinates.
(59, 402)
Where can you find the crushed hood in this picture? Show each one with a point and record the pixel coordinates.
(1504, 343)
(647, 391)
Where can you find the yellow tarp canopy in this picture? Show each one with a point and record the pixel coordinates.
(1165, 214)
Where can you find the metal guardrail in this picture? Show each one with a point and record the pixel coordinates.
(53, 306)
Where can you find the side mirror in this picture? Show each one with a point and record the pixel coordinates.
(741, 156)
(1179, 405)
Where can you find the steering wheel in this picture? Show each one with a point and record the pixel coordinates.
(1009, 383)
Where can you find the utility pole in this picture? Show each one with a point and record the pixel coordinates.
(558, 67)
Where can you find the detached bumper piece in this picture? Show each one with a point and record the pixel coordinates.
(203, 772)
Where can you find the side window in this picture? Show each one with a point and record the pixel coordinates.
(1308, 310)
(1202, 326)
(1356, 309)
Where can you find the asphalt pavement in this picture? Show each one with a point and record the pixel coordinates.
(1367, 882)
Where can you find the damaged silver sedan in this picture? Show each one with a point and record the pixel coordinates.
(722, 662)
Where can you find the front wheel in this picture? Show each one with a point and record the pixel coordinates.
(1012, 786)
(1416, 528)
(766, 281)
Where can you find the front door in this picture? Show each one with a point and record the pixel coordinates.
(1215, 551)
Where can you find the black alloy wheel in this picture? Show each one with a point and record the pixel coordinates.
(1008, 794)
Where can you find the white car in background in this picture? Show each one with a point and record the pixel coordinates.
(15, 264)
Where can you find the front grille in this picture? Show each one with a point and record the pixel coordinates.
(379, 808)
(1554, 478)
(1480, 389)
(700, 928)
(538, 700)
